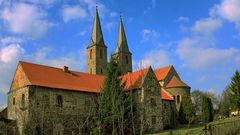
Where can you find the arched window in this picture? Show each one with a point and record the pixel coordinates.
(59, 101)
(101, 71)
(178, 99)
(101, 53)
(126, 59)
(91, 54)
(23, 100)
(14, 101)
(90, 70)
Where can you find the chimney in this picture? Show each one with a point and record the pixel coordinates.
(65, 69)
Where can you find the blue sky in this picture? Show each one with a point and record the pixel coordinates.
(200, 38)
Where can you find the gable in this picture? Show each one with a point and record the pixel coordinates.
(20, 79)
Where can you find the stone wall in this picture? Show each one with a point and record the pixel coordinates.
(170, 114)
(95, 63)
(151, 104)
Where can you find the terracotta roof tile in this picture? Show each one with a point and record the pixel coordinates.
(175, 82)
(162, 73)
(133, 80)
(165, 95)
(51, 77)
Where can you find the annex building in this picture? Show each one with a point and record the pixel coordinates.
(40, 92)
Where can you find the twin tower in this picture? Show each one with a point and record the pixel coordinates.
(97, 50)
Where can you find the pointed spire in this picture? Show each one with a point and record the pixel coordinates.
(122, 45)
(97, 36)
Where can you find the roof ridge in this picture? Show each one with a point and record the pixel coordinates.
(57, 68)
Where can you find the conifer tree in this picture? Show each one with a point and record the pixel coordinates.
(114, 104)
(234, 94)
(188, 108)
(207, 109)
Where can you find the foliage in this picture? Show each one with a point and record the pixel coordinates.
(207, 109)
(224, 106)
(196, 96)
(3, 128)
(114, 104)
(234, 94)
(188, 108)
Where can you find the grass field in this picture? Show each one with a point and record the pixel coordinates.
(195, 129)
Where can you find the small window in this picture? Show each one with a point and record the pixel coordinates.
(91, 54)
(101, 71)
(14, 101)
(23, 100)
(153, 102)
(59, 101)
(154, 121)
(101, 53)
(126, 59)
(90, 70)
(165, 106)
(178, 99)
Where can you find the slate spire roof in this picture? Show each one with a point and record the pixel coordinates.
(122, 45)
(97, 36)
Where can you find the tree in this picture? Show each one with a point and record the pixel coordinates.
(114, 108)
(207, 109)
(196, 96)
(188, 108)
(234, 94)
(224, 105)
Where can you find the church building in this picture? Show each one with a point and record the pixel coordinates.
(40, 93)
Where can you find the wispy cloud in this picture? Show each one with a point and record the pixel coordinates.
(73, 12)
(26, 19)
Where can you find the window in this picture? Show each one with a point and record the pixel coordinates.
(154, 120)
(153, 102)
(23, 100)
(126, 59)
(91, 54)
(90, 70)
(178, 99)
(101, 53)
(165, 106)
(14, 101)
(59, 101)
(101, 71)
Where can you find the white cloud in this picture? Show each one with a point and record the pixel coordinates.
(40, 2)
(26, 19)
(207, 26)
(150, 35)
(156, 59)
(195, 54)
(183, 19)
(229, 10)
(10, 53)
(73, 12)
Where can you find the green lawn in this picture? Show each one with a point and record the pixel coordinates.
(195, 129)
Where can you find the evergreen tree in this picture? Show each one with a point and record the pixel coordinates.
(207, 109)
(188, 108)
(114, 105)
(234, 94)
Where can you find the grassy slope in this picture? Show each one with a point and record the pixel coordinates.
(195, 129)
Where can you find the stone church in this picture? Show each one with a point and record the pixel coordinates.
(40, 93)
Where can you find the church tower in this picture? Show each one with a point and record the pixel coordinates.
(97, 50)
(122, 54)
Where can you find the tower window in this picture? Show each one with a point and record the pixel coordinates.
(23, 100)
(14, 101)
(126, 59)
(101, 53)
(90, 70)
(59, 101)
(101, 71)
(178, 99)
(91, 54)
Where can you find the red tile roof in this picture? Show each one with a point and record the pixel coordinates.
(165, 95)
(51, 77)
(162, 73)
(175, 82)
(133, 80)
